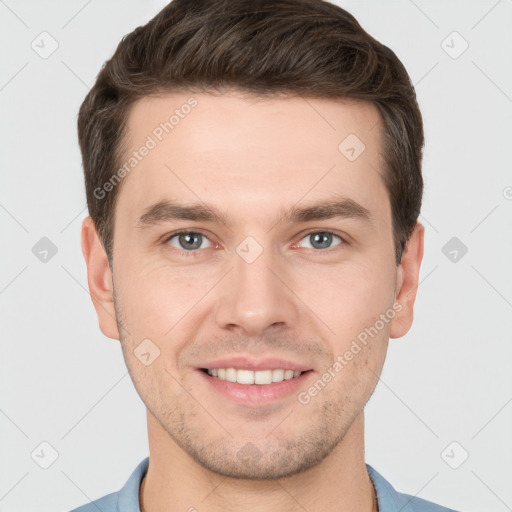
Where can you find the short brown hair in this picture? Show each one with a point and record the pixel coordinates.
(311, 48)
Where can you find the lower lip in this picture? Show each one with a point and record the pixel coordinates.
(256, 394)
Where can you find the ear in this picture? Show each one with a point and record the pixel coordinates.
(407, 282)
(99, 279)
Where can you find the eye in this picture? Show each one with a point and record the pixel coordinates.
(187, 240)
(322, 239)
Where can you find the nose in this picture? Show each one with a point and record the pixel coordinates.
(256, 296)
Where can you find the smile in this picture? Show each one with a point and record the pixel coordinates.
(260, 377)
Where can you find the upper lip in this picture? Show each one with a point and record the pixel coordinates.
(246, 363)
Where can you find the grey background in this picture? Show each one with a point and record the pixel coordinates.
(449, 379)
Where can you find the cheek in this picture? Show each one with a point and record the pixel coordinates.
(155, 299)
(350, 297)
(145, 308)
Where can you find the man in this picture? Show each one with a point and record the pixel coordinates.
(253, 178)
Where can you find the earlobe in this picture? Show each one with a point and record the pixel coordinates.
(407, 282)
(99, 279)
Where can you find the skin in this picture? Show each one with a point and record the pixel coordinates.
(251, 158)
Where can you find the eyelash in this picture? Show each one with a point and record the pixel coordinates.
(195, 253)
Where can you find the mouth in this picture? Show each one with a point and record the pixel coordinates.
(255, 388)
(248, 377)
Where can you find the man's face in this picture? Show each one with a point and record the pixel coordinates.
(258, 284)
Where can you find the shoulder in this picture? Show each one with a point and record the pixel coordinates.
(124, 500)
(107, 503)
(388, 498)
(415, 504)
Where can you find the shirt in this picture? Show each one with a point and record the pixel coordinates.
(389, 500)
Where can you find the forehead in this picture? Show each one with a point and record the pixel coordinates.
(245, 153)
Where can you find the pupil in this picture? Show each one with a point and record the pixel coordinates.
(187, 238)
(318, 236)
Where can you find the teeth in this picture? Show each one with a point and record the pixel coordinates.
(277, 375)
(243, 376)
(261, 377)
(230, 374)
(249, 377)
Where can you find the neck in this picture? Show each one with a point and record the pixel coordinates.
(176, 482)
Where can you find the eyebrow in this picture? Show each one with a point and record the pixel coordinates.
(164, 211)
